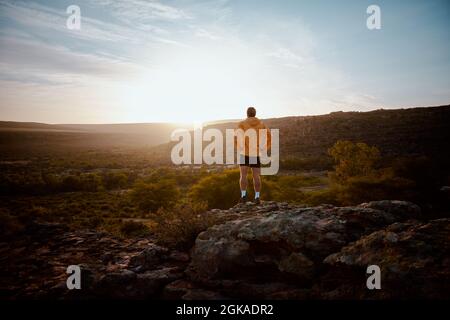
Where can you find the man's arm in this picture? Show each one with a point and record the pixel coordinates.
(269, 138)
(235, 135)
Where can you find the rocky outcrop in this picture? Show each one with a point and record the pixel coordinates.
(323, 252)
(414, 258)
(283, 248)
(268, 251)
(34, 265)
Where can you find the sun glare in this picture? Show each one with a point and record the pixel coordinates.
(197, 85)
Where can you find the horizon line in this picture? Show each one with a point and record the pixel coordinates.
(224, 120)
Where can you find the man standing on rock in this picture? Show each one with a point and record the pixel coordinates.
(251, 137)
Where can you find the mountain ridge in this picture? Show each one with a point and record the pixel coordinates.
(422, 131)
(97, 126)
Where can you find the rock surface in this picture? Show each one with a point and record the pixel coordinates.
(269, 251)
(414, 258)
(34, 265)
(286, 245)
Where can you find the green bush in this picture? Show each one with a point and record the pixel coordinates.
(361, 175)
(112, 180)
(152, 196)
(353, 160)
(218, 190)
(371, 188)
(324, 196)
(221, 190)
(178, 227)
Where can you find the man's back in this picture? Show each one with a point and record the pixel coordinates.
(252, 123)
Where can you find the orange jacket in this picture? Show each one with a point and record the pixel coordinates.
(256, 124)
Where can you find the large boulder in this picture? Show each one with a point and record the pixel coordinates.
(414, 260)
(283, 245)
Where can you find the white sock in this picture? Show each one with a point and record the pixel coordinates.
(256, 194)
(243, 193)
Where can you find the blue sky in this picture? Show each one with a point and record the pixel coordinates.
(193, 61)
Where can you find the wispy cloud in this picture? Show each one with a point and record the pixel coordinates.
(143, 10)
(37, 59)
(37, 16)
(146, 59)
(287, 57)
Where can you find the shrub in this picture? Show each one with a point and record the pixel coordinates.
(371, 188)
(325, 196)
(71, 183)
(133, 229)
(113, 180)
(219, 190)
(152, 196)
(359, 177)
(353, 159)
(91, 182)
(93, 222)
(178, 227)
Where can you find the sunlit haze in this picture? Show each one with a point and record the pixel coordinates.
(196, 61)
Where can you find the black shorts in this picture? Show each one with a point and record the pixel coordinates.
(245, 162)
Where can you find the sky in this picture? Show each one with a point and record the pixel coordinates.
(194, 61)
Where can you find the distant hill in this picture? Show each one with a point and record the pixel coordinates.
(420, 131)
(160, 129)
(33, 134)
(413, 131)
(30, 126)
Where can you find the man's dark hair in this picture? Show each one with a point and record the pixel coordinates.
(251, 112)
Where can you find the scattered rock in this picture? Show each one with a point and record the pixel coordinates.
(414, 258)
(285, 244)
(267, 251)
(115, 279)
(151, 283)
(149, 258)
